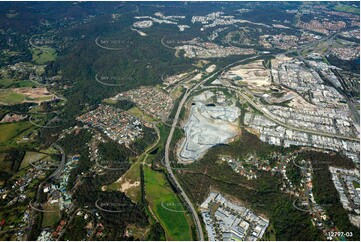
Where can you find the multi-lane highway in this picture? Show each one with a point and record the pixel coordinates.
(170, 137)
(264, 111)
(274, 119)
(56, 174)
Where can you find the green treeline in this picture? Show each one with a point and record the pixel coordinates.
(324, 189)
(263, 195)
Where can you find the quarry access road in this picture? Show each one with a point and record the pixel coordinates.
(274, 119)
(196, 219)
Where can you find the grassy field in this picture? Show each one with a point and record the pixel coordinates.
(11, 130)
(131, 176)
(346, 8)
(40, 99)
(4, 166)
(43, 55)
(176, 93)
(160, 197)
(10, 97)
(4, 83)
(2, 157)
(50, 151)
(31, 156)
(109, 101)
(138, 113)
(7, 83)
(51, 218)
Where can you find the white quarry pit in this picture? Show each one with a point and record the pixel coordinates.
(208, 126)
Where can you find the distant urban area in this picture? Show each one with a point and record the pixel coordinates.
(180, 121)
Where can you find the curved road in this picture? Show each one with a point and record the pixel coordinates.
(55, 174)
(167, 162)
(265, 112)
(274, 119)
(270, 116)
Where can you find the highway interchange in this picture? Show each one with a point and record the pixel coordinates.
(264, 111)
(201, 85)
(170, 137)
(55, 175)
